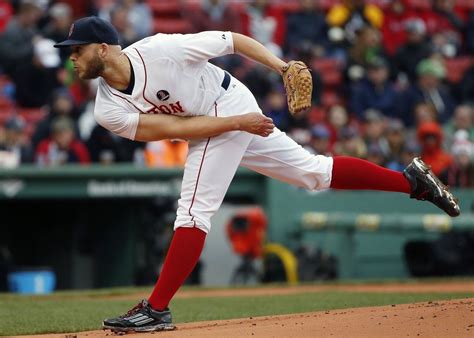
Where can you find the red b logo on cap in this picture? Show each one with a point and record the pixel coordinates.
(70, 31)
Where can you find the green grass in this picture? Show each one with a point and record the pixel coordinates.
(71, 311)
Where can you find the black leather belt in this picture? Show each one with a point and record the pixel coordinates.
(226, 81)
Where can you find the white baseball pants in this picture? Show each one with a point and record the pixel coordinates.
(211, 163)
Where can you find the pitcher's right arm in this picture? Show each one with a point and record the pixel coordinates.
(154, 127)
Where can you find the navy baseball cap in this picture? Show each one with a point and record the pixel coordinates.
(90, 29)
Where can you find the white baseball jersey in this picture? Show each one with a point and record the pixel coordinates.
(173, 76)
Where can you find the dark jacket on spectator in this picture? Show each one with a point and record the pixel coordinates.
(470, 33)
(466, 87)
(409, 55)
(365, 95)
(414, 95)
(104, 144)
(34, 85)
(304, 27)
(16, 46)
(459, 177)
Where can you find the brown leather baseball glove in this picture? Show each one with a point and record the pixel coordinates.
(298, 85)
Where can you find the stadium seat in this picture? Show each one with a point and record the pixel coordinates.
(324, 5)
(316, 115)
(5, 103)
(419, 4)
(330, 71)
(383, 4)
(330, 98)
(5, 114)
(326, 64)
(32, 115)
(455, 68)
(167, 8)
(288, 6)
(171, 25)
(331, 78)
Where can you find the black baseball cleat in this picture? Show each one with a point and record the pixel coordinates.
(142, 318)
(425, 186)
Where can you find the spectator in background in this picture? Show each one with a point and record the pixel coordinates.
(61, 147)
(338, 118)
(306, 26)
(463, 119)
(298, 121)
(466, 86)
(430, 137)
(35, 81)
(409, 151)
(376, 154)
(350, 143)
(416, 48)
(395, 136)
(374, 132)
(57, 29)
(393, 29)
(16, 41)
(276, 108)
(215, 15)
(119, 19)
(367, 47)
(461, 172)
(445, 25)
(103, 146)
(424, 112)
(102, 8)
(430, 89)
(139, 17)
(353, 15)
(106, 148)
(266, 24)
(79, 8)
(260, 81)
(15, 141)
(319, 141)
(376, 91)
(61, 105)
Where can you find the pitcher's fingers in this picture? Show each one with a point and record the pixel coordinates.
(268, 119)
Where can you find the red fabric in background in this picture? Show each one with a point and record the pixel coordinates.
(6, 12)
(279, 34)
(393, 29)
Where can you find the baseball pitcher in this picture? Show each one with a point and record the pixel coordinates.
(164, 87)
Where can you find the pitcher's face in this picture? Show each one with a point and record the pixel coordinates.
(87, 62)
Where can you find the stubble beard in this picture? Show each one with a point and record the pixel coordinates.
(94, 69)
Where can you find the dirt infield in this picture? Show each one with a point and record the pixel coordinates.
(453, 318)
(454, 286)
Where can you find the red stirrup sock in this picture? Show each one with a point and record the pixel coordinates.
(183, 254)
(355, 174)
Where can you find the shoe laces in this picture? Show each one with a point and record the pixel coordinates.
(135, 309)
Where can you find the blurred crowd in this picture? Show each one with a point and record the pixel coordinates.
(392, 79)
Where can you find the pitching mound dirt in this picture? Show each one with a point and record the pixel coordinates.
(446, 286)
(429, 319)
